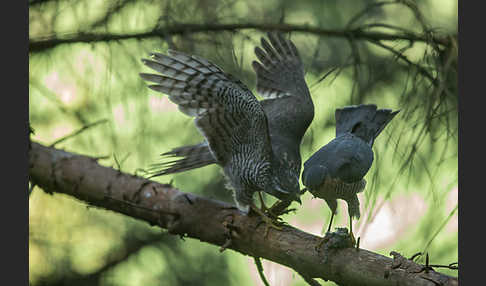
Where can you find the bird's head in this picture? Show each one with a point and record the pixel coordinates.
(314, 175)
(285, 188)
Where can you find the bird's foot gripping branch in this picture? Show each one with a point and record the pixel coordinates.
(333, 241)
(216, 222)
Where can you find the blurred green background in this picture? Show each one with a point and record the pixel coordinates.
(409, 204)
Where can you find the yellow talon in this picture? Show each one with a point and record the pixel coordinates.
(269, 222)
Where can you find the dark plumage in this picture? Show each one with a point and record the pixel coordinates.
(336, 170)
(287, 104)
(289, 111)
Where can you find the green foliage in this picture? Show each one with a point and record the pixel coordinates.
(412, 185)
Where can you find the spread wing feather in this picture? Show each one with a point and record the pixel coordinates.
(225, 111)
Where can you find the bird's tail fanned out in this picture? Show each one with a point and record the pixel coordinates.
(190, 157)
(364, 121)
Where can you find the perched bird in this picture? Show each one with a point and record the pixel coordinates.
(337, 169)
(289, 111)
(232, 121)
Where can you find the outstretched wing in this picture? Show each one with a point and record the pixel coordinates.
(280, 71)
(280, 80)
(287, 101)
(225, 111)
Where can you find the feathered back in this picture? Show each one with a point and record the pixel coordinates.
(364, 121)
(287, 105)
(287, 101)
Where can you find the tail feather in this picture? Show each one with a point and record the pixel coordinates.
(353, 207)
(381, 119)
(364, 120)
(191, 157)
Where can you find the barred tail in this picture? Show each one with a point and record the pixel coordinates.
(353, 207)
(363, 120)
(351, 197)
(191, 157)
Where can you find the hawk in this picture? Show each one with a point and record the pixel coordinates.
(337, 169)
(288, 108)
(257, 143)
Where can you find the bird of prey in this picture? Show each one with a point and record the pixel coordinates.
(288, 108)
(257, 143)
(337, 169)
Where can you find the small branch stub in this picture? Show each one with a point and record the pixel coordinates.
(218, 223)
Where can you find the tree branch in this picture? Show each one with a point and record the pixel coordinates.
(217, 222)
(77, 132)
(47, 42)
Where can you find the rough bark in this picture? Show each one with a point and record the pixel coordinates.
(218, 223)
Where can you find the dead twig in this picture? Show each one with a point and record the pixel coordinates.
(77, 132)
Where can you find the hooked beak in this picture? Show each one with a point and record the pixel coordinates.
(295, 197)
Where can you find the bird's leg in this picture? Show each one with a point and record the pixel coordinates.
(353, 240)
(330, 223)
(328, 231)
(263, 207)
(270, 211)
(269, 222)
(280, 208)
